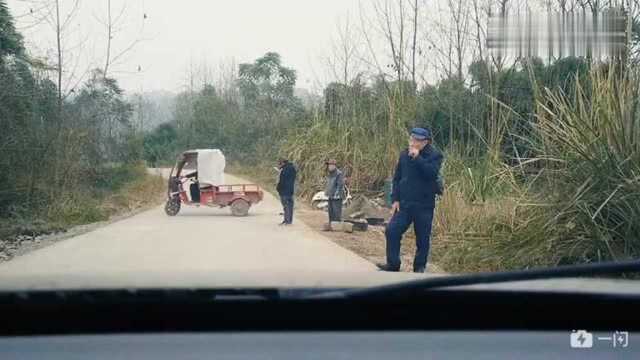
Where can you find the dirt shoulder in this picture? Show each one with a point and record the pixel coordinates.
(369, 244)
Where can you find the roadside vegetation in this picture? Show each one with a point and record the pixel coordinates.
(542, 156)
(68, 157)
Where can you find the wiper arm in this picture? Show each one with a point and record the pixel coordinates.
(166, 295)
(569, 271)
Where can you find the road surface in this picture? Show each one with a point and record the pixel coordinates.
(196, 241)
(209, 248)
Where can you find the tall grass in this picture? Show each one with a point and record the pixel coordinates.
(583, 206)
(594, 138)
(367, 152)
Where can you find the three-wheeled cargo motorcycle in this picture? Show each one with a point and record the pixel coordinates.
(203, 170)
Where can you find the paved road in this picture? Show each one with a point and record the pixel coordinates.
(198, 240)
(206, 247)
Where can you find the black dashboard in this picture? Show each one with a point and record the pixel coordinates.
(297, 324)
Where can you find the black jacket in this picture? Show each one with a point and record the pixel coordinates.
(415, 180)
(287, 180)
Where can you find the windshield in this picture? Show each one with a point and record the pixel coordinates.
(410, 139)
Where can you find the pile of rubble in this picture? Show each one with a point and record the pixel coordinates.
(23, 237)
(364, 208)
(360, 214)
(10, 247)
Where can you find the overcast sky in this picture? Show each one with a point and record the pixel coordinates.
(177, 33)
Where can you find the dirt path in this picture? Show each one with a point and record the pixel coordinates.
(370, 244)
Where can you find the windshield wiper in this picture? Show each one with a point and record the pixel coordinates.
(166, 295)
(413, 286)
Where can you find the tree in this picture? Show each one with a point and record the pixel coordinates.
(160, 144)
(68, 45)
(105, 117)
(347, 100)
(114, 24)
(267, 82)
(390, 29)
(10, 40)
(28, 108)
(343, 61)
(267, 92)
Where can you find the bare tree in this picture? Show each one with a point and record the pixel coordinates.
(391, 36)
(393, 28)
(396, 29)
(449, 38)
(371, 57)
(460, 22)
(228, 81)
(343, 61)
(60, 16)
(114, 25)
(480, 20)
(60, 27)
(416, 11)
(59, 51)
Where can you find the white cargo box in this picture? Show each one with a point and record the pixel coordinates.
(211, 164)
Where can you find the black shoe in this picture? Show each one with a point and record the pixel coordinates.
(386, 267)
(418, 270)
(283, 223)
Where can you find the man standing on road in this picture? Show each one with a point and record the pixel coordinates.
(334, 190)
(286, 184)
(415, 185)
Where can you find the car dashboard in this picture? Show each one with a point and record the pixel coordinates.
(486, 323)
(320, 345)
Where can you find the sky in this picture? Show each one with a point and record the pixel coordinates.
(176, 34)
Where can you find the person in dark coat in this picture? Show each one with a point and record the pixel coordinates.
(415, 185)
(286, 185)
(334, 190)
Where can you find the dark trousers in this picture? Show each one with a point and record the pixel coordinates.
(335, 210)
(287, 206)
(422, 219)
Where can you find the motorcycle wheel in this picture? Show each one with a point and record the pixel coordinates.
(172, 207)
(240, 208)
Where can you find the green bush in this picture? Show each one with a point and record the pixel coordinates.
(113, 176)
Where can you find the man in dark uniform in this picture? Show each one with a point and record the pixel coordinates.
(286, 184)
(415, 185)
